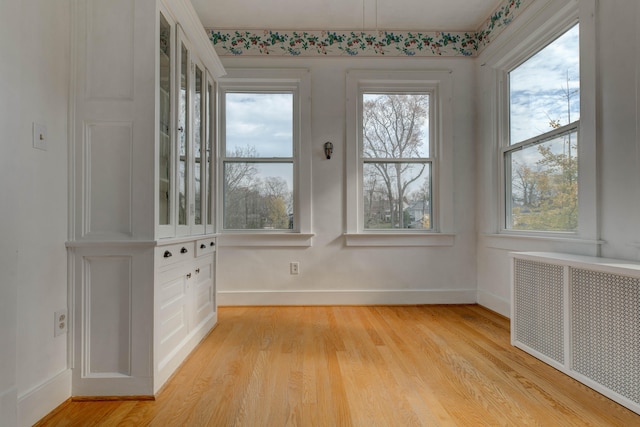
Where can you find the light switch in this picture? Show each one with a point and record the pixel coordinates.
(39, 136)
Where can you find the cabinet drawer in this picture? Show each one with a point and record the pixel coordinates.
(171, 254)
(205, 246)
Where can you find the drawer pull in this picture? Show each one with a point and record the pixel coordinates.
(183, 250)
(167, 254)
(203, 246)
(188, 275)
(197, 271)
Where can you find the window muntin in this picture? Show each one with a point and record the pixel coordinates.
(541, 161)
(257, 161)
(395, 153)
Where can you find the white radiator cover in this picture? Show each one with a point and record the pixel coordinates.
(581, 315)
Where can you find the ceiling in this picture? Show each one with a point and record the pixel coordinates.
(397, 15)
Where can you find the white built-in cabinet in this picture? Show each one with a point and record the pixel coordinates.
(142, 246)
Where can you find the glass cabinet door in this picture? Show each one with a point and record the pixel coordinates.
(199, 165)
(183, 136)
(209, 154)
(165, 146)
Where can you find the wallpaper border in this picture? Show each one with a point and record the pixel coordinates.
(366, 43)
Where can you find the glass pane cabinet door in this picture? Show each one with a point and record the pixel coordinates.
(210, 114)
(198, 134)
(183, 129)
(165, 198)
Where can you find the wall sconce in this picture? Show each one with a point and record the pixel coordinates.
(328, 149)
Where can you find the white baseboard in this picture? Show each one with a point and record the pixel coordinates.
(495, 303)
(173, 360)
(9, 407)
(353, 297)
(39, 401)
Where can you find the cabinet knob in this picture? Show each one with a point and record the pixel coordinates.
(167, 254)
(188, 275)
(181, 129)
(202, 246)
(183, 250)
(212, 244)
(197, 271)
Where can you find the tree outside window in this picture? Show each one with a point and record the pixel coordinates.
(258, 161)
(541, 161)
(396, 161)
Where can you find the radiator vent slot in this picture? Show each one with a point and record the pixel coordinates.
(605, 320)
(539, 302)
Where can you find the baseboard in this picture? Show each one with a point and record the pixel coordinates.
(352, 297)
(173, 360)
(495, 303)
(8, 406)
(40, 401)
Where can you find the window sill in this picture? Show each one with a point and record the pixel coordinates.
(509, 241)
(399, 239)
(302, 240)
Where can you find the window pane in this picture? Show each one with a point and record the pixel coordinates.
(197, 145)
(258, 195)
(259, 124)
(397, 195)
(183, 128)
(395, 126)
(544, 92)
(544, 185)
(165, 197)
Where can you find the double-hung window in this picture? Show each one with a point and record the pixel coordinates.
(264, 179)
(398, 126)
(541, 154)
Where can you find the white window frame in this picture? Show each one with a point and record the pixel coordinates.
(549, 24)
(439, 84)
(298, 82)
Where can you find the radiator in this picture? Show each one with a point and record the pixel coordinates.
(582, 316)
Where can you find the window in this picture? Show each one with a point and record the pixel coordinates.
(396, 160)
(541, 153)
(264, 180)
(399, 128)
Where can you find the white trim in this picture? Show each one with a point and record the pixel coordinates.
(495, 303)
(540, 26)
(399, 239)
(440, 83)
(346, 297)
(265, 239)
(183, 12)
(297, 80)
(36, 403)
(168, 365)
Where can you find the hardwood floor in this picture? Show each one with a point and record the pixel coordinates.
(359, 366)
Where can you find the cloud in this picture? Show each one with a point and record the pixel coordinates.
(546, 87)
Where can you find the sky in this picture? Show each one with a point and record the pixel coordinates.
(538, 88)
(262, 122)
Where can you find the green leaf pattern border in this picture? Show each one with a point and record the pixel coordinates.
(365, 43)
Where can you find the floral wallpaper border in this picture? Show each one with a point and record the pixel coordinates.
(365, 43)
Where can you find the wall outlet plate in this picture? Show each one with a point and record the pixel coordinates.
(294, 268)
(39, 136)
(60, 322)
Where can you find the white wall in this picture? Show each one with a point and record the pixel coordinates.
(9, 117)
(618, 166)
(34, 85)
(330, 272)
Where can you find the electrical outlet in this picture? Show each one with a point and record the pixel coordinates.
(60, 322)
(294, 268)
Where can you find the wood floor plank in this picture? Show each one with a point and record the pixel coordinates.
(358, 366)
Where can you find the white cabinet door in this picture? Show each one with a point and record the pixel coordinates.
(203, 289)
